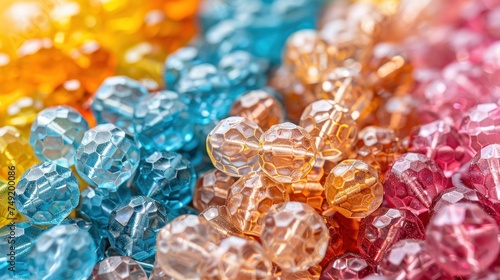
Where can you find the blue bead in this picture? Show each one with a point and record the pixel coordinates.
(147, 264)
(182, 211)
(224, 38)
(134, 225)
(25, 236)
(47, 193)
(96, 204)
(178, 63)
(166, 177)
(115, 100)
(99, 236)
(162, 122)
(107, 157)
(63, 252)
(56, 133)
(243, 71)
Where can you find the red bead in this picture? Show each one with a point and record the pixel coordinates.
(348, 266)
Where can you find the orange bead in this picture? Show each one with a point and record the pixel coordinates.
(336, 247)
(70, 92)
(211, 189)
(220, 220)
(398, 113)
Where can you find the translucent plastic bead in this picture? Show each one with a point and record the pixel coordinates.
(99, 236)
(480, 124)
(353, 189)
(159, 274)
(115, 100)
(56, 133)
(219, 218)
(14, 151)
(249, 199)
(295, 236)
(233, 146)
(311, 193)
(47, 193)
(118, 268)
(243, 71)
(287, 152)
(348, 266)
(166, 177)
(107, 157)
(484, 173)
(211, 189)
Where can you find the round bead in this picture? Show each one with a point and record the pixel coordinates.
(166, 177)
(118, 268)
(250, 198)
(63, 252)
(134, 225)
(484, 173)
(47, 193)
(336, 246)
(243, 71)
(107, 157)
(219, 218)
(233, 146)
(287, 152)
(184, 246)
(480, 125)
(14, 151)
(211, 189)
(463, 236)
(412, 182)
(99, 236)
(177, 64)
(312, 273)
(115, 100)
(348, 266)
(295, 236)
(353, 189)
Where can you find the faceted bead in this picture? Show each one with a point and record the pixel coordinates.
(47, 193)
(69, 92)
(22, 112)
(62, 252)
(243, 71)
(115, 100)
(411, 259)
(331, 126)
(159, 274)
(484, 173)
(162, 123)
(134, 225)
(295, 236)
(56, 133)
(178, 63)
(353, 189)
(250, 198)
(412, 182)
(399, 114)
(166, 177)
(233, 146)
(118, 268)
(211, 189)
(384, 227)
(308, 192)
(220, 220)
(480, 125)
(14, 151)
(287, 152)
(463, 236)
(336, 245)
(107, 157)
(99, 236)
(24, 236)
(348, 266)
(312, 273)
(237, 258)
(184, 246)
(147, 264)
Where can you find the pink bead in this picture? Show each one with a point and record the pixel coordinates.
(412, 182)
(384, 227)
(463, 239)
(481, 125)
(348, 266)
(484, 171)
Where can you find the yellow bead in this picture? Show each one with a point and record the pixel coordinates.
(8, 213)
(142, 61)
(14, 151)
(21, 113)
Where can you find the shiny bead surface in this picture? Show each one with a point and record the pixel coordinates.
(118, 268)
(348, 266)
(481, 125)
(211, 189)
(243, 71)
(219, 218)
(22, 112)
(99, 236)
(336, 246)
(14, 151)
(483, 171)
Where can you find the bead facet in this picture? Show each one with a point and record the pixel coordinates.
(483, 171)
(211, 189)
(348, 266)
(118, 268)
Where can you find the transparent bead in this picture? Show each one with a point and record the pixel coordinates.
(219, 218)
(480, 126)
(118, 268)
(8, 212)
(99, 236)
(211, 189)
(243, 71)
(348, 266)
(174, 213)
(484, 173)
(14, 151)
(311, 193)
(312, 273)
(336, 246)
(178, 63)
(22, 112)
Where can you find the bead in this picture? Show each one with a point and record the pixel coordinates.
(62, 252)
(250, 198)
(336, 245)
(353, 189)
(107, 157)
(350, 232)
(56, 133)
(410, 259)
(8, 213)
(14, 151)
(219, 218)
(147, 264)
(118, 268)
(22, 112)
(159, 274)
(184, 246)
(162, 123)
(46, 194)
(98, 236)
(237, 258)
(134, 225)
(295, 236)
(384, 227)
(243, 71)
(166, 177)
(483, 171)
(178, 63)
(412, 182)
(312, 273)
(398, 113)
(69, 92)
(348, 266)
(211, 189)
(115, 100)
(480, 124)
(311, 193)
(224, 38)
(462, 235)
(233, 146)
(174, 213)
(287, 152)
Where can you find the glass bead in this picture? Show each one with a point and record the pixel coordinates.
(46, 194)
(99, 236)
(166, 177)
(484, 173)
(159, 274)
(250, 198)
(233, 146)
(224, 38)
(162, 122)
(295, 236)
(480, 125)
(14, 151)
(146, 264)
(384, 227)
(348, 266)
(463, 236)
(219, 218)
(56, 133)
(398, 113)
(412, 182)
(107, 157)
(211, 189)
(311, 193)
(115, 100)
(353, 189)
(134, 225)
(178, 63)
(118, 268)
(184, 246)
(336, 246)
(287, 152)
(69, 92)
(243, 71)
(62, 252)
(350, 232)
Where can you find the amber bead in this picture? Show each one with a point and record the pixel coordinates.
(211, 189)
